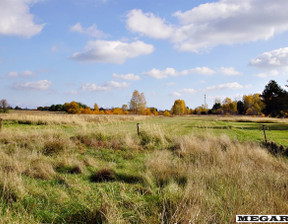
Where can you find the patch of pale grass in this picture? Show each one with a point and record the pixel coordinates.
(11, 186)
(49, 118)
(251, 119)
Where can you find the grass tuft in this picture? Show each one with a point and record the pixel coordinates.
(103, 175)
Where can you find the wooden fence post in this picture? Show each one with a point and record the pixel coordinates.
(263, 128)
(138, 129)
(1, 124)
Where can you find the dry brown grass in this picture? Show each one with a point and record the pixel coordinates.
(224, 178)
(50, 118)
(251, 119)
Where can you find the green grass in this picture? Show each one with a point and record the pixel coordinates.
(199, 168)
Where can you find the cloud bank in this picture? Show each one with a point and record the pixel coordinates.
(208, 25)
(90, 87)
(272, 60)
(16, 19)
(112, 51)
(38, 85)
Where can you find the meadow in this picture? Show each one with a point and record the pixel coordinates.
(60, 168)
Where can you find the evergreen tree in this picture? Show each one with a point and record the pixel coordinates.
(274, 98)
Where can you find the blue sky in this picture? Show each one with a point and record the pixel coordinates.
(100, 51)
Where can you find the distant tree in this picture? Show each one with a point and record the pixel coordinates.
(117, 111)
(96, 108)
(253, 104)
(166, 113)
(147, 111)
(73, 107)
(4, 106)
(201, 109)
(274, 98)
(138, 102)
(57, 107)
(86, 110)
(217, 108)
(124, 107)
(154, 111)
(108, 112)
(229, 106)
(240, 107)
(179, 107)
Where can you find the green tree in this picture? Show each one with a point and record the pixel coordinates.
(240, 107)
(179, 107)
(274, 98)
(137, 103)
(217, 107)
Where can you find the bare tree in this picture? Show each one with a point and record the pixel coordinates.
(138, 102)
(3, 106)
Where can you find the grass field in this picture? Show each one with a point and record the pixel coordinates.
(58, 168)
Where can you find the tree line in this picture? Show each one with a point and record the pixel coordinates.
(272, 102)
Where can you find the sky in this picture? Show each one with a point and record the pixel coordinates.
(100, 51)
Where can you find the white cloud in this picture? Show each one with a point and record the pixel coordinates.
(202, 71)
(16, 19)
(128, 77)
(230, 71)
(190, 91)
(93, 87)
(176, 94)
(26, 73)
(273, 59)
(147, 24)
(162, 74)
(112, 51)
(108, 86)
(90, 31)
(114, 84)
(232, 85)
(13, 74)
(211, 24)
(38, 85)
(269, 74)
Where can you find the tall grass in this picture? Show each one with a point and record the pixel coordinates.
(49, 118)
(97, 174)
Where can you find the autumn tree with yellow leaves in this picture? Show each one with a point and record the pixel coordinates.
(179, 107)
